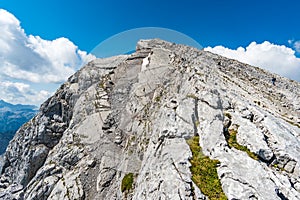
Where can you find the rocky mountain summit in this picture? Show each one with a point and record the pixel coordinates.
(166, 122)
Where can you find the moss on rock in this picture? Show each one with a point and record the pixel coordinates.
(232, 142)
(204, 172)
(127, 182)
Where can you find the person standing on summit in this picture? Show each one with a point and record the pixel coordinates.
(273, 80)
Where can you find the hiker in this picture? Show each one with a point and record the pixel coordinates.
(273, 80)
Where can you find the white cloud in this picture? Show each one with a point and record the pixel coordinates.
(34, 60)
(17, 92)
(275, 58)
(297, 46)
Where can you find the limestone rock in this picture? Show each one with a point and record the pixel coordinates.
(132, 115)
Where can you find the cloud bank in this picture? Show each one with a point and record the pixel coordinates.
(275, 58)
(22, 92)
(34, 60)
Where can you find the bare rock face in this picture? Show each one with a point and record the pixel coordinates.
(117, 129)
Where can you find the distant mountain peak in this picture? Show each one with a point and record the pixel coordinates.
(12, 117)
(3, 103)
(16, 106)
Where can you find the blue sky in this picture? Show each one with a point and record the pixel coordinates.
(231, 23)
(233, 28)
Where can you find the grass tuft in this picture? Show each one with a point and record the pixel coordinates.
(127, 182)
(204, 172)
(192, 96)
(232, 142)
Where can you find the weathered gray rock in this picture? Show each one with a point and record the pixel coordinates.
(132, 115)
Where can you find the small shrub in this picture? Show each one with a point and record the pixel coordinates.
(204, 172)
(127, 182)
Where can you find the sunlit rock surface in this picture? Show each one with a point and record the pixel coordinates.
(133, 114)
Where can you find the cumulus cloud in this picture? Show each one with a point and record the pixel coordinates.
(275, 58)
(32, 59)
(17, 92)
(297, 46)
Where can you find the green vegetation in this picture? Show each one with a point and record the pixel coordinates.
(157, 99)
(277, 167)
(101, 84)
(27, 124)
(127, 182)
(228, 115)
(200, 74)
(52, 162)
(204, 172)
(192, 96)
(232, 142)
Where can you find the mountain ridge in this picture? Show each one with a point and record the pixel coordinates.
(118, 129)
(12, 117)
